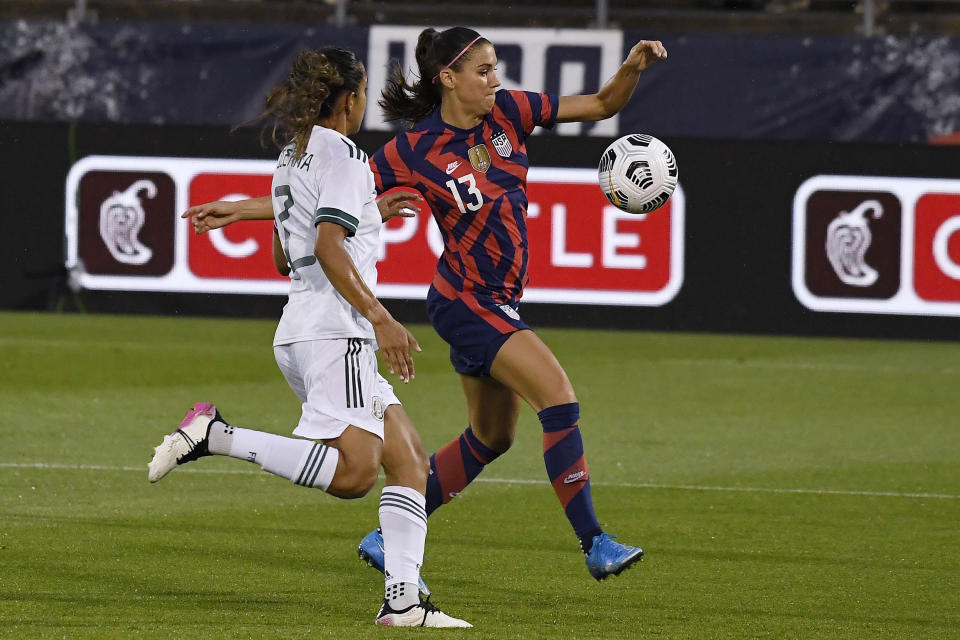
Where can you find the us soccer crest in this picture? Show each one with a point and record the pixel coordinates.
(479, 158)
(502, 144)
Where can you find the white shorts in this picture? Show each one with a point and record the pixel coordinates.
(339, 385)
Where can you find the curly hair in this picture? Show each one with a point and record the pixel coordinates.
(317, 79)
(411, 103)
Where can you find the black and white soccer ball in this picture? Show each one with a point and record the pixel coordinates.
(638, 173)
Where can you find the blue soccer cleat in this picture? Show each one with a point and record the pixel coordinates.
(607, 557)
(371, 552)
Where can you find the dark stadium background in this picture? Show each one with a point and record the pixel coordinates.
(756, 98)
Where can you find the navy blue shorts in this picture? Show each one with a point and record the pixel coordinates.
(474, 326)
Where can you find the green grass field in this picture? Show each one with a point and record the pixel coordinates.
(781, 487)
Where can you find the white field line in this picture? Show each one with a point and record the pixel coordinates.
(809, 366)
(129, 346)
(632, 485)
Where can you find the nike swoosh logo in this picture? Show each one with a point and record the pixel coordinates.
(613, 192)
(452, 167)
(573, 477)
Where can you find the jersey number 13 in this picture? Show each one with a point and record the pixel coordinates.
(472, 192)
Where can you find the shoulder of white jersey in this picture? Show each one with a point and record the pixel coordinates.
(337, 146)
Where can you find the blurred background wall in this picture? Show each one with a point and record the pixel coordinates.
(780, 69)
(757, 98)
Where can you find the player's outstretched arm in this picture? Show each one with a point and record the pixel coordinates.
(393, 339)
(213, 215)
(615, 94)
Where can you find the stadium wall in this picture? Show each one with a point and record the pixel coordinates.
(753, 233)
(755, 86)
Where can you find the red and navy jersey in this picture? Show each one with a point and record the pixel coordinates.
(475, 182)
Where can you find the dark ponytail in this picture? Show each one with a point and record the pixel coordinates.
(435, 50)
(316, 81)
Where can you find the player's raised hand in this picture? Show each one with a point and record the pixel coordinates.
(395, 344)
(399, 204)
(212, 215)
(645, 54)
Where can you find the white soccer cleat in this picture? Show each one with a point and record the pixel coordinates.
(418, 615)
(187, 443)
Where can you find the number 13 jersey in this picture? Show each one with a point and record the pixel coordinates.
(475, 182)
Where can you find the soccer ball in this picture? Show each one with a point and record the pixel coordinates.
(638, 173)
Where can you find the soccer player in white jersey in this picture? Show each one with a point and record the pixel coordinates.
(327, 226)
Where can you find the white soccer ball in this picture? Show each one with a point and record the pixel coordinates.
(638, 173)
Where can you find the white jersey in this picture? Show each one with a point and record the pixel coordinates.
(331, 182)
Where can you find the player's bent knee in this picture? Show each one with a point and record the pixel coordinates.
(501, 443)
(363, 486)
(353, 485)
(554, 395)
(355, 479)
(500, 437)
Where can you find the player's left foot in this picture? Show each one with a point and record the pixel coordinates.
(189, 442)
(370, 551)
(418, 615)
(608, 557)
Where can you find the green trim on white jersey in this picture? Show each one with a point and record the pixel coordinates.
(342, 218)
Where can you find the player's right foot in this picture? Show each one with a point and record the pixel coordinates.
(418, 615)
(189, 442)
(610, 558)
(370, 551)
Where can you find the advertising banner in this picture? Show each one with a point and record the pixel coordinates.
(562, 61)
(124, 232)
(877, 245)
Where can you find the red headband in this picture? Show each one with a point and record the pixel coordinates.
(455, 58)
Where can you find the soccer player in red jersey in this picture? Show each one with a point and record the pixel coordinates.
(465, 153)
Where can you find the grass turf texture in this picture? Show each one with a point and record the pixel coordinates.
(782, 488)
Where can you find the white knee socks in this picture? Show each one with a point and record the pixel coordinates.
(403, 521)
(304, 462)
